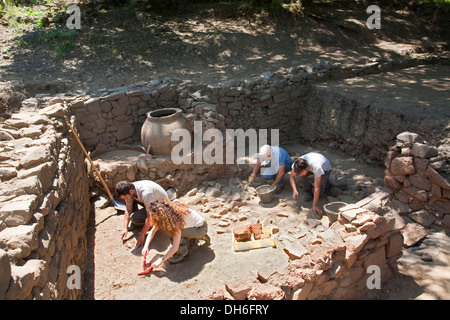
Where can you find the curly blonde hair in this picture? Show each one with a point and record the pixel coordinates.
(171, 215)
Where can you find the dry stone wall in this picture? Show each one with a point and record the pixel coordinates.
(286, 101)
(44, 205)
(418, 175)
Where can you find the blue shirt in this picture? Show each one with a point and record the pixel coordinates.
(278, 158)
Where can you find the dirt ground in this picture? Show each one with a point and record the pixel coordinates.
(209, 42)
(113, 49)
(113, 265)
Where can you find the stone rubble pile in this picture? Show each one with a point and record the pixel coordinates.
(418, 175)
(44, 205)
(333, 263)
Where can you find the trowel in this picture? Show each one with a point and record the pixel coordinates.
(117, 205)
(144, 266)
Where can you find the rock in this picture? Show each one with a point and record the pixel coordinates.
(295, 250)
(27, 234)
(350, 255)
(436, 178)
(24, 278)
(213, 192)
(394, 245)
(332, 237)
(7, 173)
(408, 138)
(423, 217)
(302, 293)
(257, 230)
(5, 273)
(35, 155)
(266, 292)
(376, 257)
(242, 233)
(223, 223)
(313, 222)
(446, 221)
(55, 110)
(357, 241)
(192, 192)
(236, 197)
(413, 233)
(239, 288)
(19, 210)
(423, 151)
(403, 166)
(420, 182)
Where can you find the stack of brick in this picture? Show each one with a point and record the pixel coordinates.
(342, 262)
(417, 173)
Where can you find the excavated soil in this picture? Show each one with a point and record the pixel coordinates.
(113, 265)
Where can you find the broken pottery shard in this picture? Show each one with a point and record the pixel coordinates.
(295, 250)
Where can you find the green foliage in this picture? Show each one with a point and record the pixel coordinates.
(61, 39)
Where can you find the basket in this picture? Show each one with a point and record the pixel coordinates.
(332, 210)
(266, 192)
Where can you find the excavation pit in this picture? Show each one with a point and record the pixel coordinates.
(42, 165)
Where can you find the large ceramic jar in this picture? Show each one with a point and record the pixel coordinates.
(157, 130)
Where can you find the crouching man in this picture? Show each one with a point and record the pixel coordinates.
(318, 165)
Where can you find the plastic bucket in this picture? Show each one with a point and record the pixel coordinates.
(265, 192)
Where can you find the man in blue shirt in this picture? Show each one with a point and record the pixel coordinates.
(278, 162)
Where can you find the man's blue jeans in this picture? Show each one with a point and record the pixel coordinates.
(287, 168)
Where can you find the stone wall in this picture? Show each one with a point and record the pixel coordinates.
(336, 263)
(418, 174)
(286, 101)
(44, 206)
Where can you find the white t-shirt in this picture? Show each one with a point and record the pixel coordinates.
(193, 220)
(318, 163)
(148, 191)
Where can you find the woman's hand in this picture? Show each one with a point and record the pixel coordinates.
(158, 262)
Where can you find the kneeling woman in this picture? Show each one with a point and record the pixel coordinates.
(180, 223)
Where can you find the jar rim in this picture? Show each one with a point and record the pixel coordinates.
(164, 114)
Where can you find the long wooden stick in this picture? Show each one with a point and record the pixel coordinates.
(92, 163)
